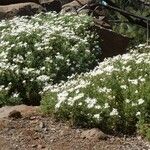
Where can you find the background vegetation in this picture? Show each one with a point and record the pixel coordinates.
(122, 25)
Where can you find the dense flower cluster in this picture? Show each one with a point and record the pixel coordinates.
(42, 50)
(115, 94)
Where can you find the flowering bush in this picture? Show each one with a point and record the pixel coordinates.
(41, 50)
(115, 96)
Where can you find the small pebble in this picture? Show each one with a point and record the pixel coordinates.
(34, 145)
(15, 114)
(42, 125)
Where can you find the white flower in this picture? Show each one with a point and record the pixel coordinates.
(128, 69)
(6, 88)
(141, 79)
(79, 96)
(77, 91)
(136, 91)
(43, 68)
(123, 86)
(114, 112)
(134, 104)
(140, 101)
(37, 71)
(134, 81)
(109, 69)
(98, 107)
(90, 102)
(105, 90)
(15, 95)
(96, 116)
(138, 113)
(61, 97)
(141, 45)
(127, 101)
(106, 105)
(2, 87)
(59, 56)
(43, 78)
(80, 104)
(24, 81)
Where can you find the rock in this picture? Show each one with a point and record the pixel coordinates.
(26, 111)
(41, 147)
(15, 114)
(65, 1)
(9, 2)
(93, 134)
(117, 43)
(11, 8)
(34, 145)
(3, 124)
(102, 22)
(45, 129)
(52, 5)
(33, 118)
(41, 125)
(74, 5)
(21, 9)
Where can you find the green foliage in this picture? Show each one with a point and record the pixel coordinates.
(8, 100)
(115, 96)
(123, 26)
(46, 106)
(45, 49)
(135, 32)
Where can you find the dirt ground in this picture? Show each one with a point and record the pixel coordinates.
(37, 132)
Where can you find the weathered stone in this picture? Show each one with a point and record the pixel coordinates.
(93, 134)
(9, 2)
(28, 8)
(74, 5)
(34, 145)
(84, 6)
(15, 114)
(41, 125)
(65, 1)
(52, 5)
(21, 9)
(112, 43)
(41, 146)
(26, 111)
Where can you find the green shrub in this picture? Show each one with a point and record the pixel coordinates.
(44, 49)
(115, 96)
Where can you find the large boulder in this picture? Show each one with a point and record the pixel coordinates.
(74, 5)
(51, 5)
(86, 6)
(17, 111)
(93, 134)
(8, 2)
(112, 43)
(65, 1)
(21, 9)
(29, 9)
